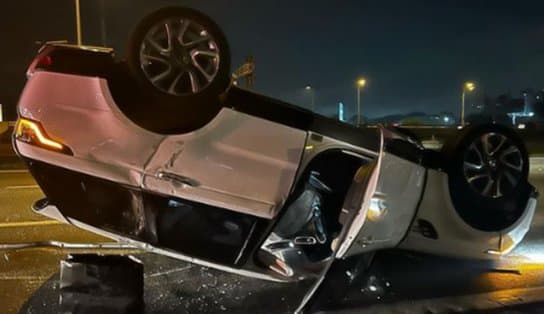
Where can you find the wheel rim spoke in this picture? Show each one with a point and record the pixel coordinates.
(182, 30)
(510, 177)
(194, 82)
(211, 54)
(169, 35)
(159, 59)
(488, 186)
(510, 150)
(477, 177)
(486, 144)
(498, 187)
(475, 149)
(197, 41)
(172, 89)
(518, 168)
(473, 166)
(161, 76)
(156, 45)
(501, 143)
(196, 64)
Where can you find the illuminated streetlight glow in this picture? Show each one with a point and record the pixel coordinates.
(311, 90)
(361, 82)
(468, 86)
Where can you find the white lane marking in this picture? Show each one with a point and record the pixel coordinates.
(13, 171)
(536, 165)
(171, 271)
(22, 224)
(25, 278)
(22, 187)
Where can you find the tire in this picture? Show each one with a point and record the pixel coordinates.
(489, 182)
(181, 60)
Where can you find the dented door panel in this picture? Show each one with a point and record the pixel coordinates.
(237, 162)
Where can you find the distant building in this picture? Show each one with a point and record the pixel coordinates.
(442, 119)
(415, 118)
(514, 111)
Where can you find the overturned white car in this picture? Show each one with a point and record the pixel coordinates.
(163, 152)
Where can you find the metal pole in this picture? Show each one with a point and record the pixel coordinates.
(78, 23)
(103, 23)
(313, 100)
(463, 107)
(358, 105)
(68, 246)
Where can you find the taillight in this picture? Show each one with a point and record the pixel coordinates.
(31, 132)
(42, 61)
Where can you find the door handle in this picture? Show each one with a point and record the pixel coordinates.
(177, 179)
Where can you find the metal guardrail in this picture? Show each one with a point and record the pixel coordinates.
(68, 246)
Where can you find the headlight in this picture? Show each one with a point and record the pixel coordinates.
(378, 207)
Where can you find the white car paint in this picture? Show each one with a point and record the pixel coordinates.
(237, 161)
(357, 201)
(391, 207)
(79, 112)
(241, 162)
(455, 237)
(244, 164)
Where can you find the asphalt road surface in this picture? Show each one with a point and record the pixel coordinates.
(397, 282)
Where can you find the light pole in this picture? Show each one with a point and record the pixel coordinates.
(78, 23)
(360, 84)
(311, 90)
(467, 87)
(103, 25)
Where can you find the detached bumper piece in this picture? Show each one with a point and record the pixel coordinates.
(101, 284)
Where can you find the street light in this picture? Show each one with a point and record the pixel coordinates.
(78, 22)
(467, 87)
(311, 90)
(360, 84)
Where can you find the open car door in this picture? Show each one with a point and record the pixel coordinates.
(378, 209)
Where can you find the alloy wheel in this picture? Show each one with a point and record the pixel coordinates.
(179, 57)
(493, 165)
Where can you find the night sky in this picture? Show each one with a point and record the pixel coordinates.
(414, 54)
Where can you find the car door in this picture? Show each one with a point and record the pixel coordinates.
(237, 162)
(388, 206)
